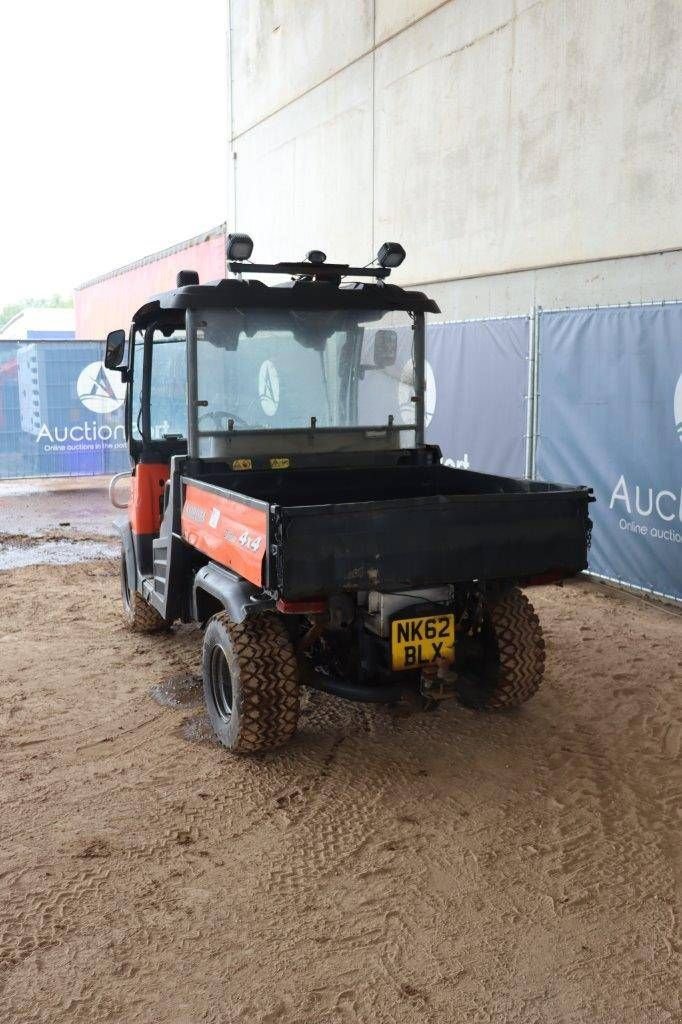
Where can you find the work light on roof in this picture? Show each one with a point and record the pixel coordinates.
(239, 247)
(185, 277)
(391, 254)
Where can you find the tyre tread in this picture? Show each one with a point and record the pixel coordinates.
(268, 691)
(139, 616)
(142, 618)
(521, 651)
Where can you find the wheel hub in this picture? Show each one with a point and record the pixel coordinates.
(221, 684)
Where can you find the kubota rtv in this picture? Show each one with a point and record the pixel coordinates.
(283, 496)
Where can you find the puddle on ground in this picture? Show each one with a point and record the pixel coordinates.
(54, 552)
(185, 692)
(198, 729)
(182, 691)
(10, 489)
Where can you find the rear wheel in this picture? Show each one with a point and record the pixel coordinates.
(139, 616)
(507, 663)
(251, 688)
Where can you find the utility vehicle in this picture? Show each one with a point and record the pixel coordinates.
(284, 497)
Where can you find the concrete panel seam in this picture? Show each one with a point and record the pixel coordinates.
(538, 266)
(466, 46)
(232, 165)
(374, 120)
(334, 74)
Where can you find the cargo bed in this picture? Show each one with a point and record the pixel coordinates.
(398, 527)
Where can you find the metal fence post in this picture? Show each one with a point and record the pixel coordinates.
(536, 393)
(530, 396)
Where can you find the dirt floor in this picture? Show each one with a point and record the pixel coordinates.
(437, 867)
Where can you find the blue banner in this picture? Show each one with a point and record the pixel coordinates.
(61, 411)
(610, 416)
(476, 385)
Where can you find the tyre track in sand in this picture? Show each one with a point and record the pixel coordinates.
(421, 868)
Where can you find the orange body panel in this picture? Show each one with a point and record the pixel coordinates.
(229, 532)
(147, 484)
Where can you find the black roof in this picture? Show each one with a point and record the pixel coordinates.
(236, 293)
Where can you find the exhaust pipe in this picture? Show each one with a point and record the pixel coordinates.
(386, 693)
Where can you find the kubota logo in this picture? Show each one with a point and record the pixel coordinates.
(99, 389)
(677, 408)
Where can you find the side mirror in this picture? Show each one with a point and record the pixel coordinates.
(385, 348)
(115, 350)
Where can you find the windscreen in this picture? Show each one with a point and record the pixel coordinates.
(167, 385)
(264, 370)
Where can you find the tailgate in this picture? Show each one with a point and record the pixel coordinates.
(419, 542)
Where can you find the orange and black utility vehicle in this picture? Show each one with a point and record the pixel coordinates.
(284, 497)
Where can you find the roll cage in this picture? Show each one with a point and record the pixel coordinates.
(315, 288)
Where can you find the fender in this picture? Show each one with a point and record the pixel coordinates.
(216, 588)
(123, 528)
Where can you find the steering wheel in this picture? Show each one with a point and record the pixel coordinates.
(217, 415)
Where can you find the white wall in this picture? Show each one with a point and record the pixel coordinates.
(303, 179)
(519, 149)
(35, 321)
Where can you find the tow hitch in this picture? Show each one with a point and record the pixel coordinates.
(439, 681)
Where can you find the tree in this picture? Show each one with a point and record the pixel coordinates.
(55, 302)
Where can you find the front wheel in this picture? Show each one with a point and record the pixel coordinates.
(250, 676)
(508, 662)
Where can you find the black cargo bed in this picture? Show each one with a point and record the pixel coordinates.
(392, 528)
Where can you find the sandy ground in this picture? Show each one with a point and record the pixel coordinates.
(438, 867)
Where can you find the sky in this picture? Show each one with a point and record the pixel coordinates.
(114, 135)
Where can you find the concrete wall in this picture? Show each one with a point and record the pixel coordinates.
(521, 150)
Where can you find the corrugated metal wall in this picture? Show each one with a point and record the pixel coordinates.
(108, 302)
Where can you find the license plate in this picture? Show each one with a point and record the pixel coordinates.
(421, 641)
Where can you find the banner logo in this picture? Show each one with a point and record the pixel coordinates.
(677, 408)
(268, 388)
(100, 390)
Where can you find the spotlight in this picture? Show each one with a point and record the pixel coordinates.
(239, 247)
(391, 254)
(316, 256)
(186, 277)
